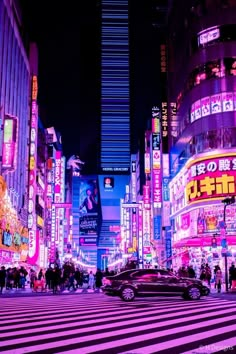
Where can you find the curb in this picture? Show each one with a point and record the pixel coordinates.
(43, 293)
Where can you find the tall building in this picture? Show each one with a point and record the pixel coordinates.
(114, 160)
(202, 82)
(14, 134)
(115, 87)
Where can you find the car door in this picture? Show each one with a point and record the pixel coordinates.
(143, 281)
(163, 282)
(174, 285)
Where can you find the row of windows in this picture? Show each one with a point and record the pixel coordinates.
(222, 102)
(224, 138)
(211, 70)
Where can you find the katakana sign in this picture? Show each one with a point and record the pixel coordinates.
(211, 178)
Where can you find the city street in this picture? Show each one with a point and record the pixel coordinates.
(95, 323)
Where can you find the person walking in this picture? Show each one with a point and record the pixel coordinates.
(55, 280)
(232, 269)
(218, 279)
(71, 283)
(233, 277)
(2, 278)
(91, 280)
(99, 276)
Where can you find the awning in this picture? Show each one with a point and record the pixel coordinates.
(204, 241)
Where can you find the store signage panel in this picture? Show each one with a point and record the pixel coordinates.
(157, 227)
(211, 178)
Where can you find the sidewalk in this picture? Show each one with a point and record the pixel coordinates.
(29, 292)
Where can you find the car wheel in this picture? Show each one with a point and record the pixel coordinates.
(194, 293)
(127, 294)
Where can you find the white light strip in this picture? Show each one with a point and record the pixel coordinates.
(115, 263)
(85, 265)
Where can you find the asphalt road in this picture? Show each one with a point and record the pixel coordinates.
(96, 323)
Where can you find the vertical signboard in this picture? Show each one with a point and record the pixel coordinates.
(164, 102)
(157, 227)
(133, 182)
(33, 235)
(57, 174)
(168, 247)
(156, 158)
(140, 234)
(173, 120)
(164, 126)
(9, 142)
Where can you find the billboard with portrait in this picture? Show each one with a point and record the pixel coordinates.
(216, 104)
(227, 101)
(89, 206)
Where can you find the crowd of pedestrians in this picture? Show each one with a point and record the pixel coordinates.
(12, 278)
(209, 276)
(53, 278)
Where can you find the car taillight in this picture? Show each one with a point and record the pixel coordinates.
(106, 281)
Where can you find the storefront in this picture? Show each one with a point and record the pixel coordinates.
(14, 240)
(204, 230)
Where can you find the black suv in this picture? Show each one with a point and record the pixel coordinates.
(141, 282)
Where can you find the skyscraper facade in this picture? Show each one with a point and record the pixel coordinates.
(114, 161)
(202, 81)
(14, 134)
(115, 92)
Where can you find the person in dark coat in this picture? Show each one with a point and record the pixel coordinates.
(2, 278)
(55, 280)
(99, 276)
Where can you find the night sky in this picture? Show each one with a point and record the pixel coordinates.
(69, 59)
(68, 71)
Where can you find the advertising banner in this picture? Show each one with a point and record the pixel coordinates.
(211, 178)
(146, 195)
(197, 109)
(205, 104)
(33, 232)
(227, 101)
(192, 113)
(88, 206)
(147, 163)
(88, 241)
(168, 247)
(157, 227)
(9, 142)
(216, 104)
(88, 224)
(157, 197)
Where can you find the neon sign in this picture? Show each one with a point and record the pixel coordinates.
(211, 178)
(9, 142)
(33, 235)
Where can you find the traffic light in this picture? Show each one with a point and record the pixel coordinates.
(229, 200)
(213, 242)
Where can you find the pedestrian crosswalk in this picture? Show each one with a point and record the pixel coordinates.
(95, 323)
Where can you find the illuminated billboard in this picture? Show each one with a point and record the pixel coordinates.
(88, 206)
(211, 178)
(9, 142)
(33, 234)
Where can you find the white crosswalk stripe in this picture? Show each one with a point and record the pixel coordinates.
(95, 323)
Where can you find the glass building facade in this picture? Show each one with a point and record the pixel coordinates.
(115, 87)
(14, 100)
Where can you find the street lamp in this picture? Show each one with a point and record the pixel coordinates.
(227, 201)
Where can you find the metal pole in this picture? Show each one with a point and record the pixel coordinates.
(226, 260)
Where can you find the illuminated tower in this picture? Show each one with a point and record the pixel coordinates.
(115, 87)
(114, 162)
